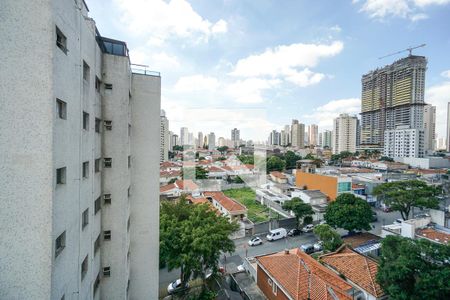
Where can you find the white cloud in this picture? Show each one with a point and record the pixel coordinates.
(159, 61)
(291, 63)
(418, 17)
(324, 115)
(250, 90)
(439, 96)
(411, 9)
(383, 8)
(446, 74)
(423, 3)
(279, 60)
(196, 83)
(159, 20)
(336, 28)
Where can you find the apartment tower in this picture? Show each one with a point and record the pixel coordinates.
(313, 135)
(297, 134)
(164, 148)
(344, 134)
(79, 138)
(235, 137)
(392, 96)
(429, 126)
(211, 141)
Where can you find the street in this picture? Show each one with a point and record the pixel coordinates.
(242, 249)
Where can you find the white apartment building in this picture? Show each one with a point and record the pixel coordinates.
(79, 170)
(429, 126)
(174, 141)
(200, 140)
(313, 135)
(447, 141)
(404, 142)
(325, 139)
(297, 134)
(344, 134)
(164, 148)
(211, 141)
(184, 136)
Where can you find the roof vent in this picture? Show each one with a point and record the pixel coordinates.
(286, 251)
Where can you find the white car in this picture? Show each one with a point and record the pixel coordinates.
(308, 228)
(175, 286)
(318, 246)
(255, 241)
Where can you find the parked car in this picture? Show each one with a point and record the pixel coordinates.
(323, 222)
(374, 217)
(294, 232)
(307, 248)
(308, 228)
(318, 246)
(176, 286)
(255, 241)
(386, 209)
(276, 234)
(398, 221)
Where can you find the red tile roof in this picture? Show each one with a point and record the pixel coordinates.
(228, 203)
(296, 270)
(278, 175)
(215, 169)
(357, 239)
(358, 268)
(433, 234)
(166, 188)
(186, 185)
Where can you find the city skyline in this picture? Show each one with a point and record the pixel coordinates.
(311, 86)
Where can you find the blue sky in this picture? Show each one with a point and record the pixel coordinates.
(256, 65)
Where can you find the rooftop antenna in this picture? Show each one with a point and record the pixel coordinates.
(410, 49)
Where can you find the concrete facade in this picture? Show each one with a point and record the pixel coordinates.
(344, 134)
(64, 84)
(164, 152)
(297, 135)
(429, 126)
(404, 142)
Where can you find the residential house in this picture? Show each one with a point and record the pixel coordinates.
(293, 274)
(278, 177)
(227, 206)
(358, 270)
(175, 189)
(318, 202)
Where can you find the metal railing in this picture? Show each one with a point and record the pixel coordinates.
(143, 69)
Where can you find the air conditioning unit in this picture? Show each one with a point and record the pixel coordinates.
(107, 198)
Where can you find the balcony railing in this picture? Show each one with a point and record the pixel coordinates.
(143, 69)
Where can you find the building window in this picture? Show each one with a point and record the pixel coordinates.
(85, 218)
(61, 40)
(97, 165)
(96, 284)
(61, 109)
(97, 244)
(85, 120)
(107, 162)
(98, 205)
(274, 289)
(129, 161)
(97, 84)
(128, 223)
(86, 71)
(108, 86)
(61, 175)
(108, 124)
(107, 271)
(129, 191)
(129, 129)
(63, 297)
(107, 198)
(60, 243)
(97, 124)
(86, 169)
(107, 235)
(84, 267)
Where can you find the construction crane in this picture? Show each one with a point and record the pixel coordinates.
(410, 49)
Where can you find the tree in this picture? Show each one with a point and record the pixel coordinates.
(349, 212)
(192, 238)
(403, 195)
(246, 159)
(414, 269)
(200, 173)
(177, 148)
(300, 209)
(222, 149)
(291, 159)
(330, 238)
(309, 156)
(386, 158)
(274, 163)
(307, 220)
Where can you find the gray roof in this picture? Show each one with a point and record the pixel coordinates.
(314, 194)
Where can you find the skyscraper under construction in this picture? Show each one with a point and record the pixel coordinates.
(392, 96)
